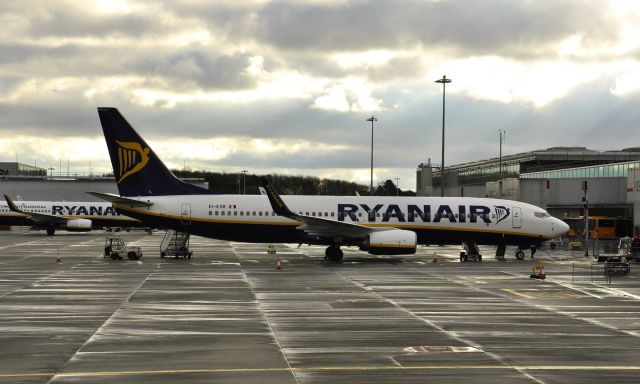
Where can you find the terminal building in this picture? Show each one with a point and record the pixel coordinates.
(553, 179)
(30, 183)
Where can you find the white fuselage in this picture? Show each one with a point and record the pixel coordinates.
(448, 217)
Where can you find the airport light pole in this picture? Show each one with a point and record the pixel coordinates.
(371, 119)
(444, 82)
(244, 184)
(397, 185)
(503, 134)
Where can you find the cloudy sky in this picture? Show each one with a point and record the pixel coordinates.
(287, 86)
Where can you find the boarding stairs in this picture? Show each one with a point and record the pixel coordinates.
(175, 243)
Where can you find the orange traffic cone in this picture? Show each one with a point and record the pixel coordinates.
(279, 264)
(542, 275)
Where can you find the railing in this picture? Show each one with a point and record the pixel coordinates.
(601, 272)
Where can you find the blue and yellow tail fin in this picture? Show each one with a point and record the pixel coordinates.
(137, 169)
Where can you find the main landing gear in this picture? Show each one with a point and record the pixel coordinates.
(520, 254)
(51, 231)
(333, 253)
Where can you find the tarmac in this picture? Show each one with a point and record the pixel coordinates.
(228, 315)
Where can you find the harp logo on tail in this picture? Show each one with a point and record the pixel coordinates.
(131, 158)
(501, 213)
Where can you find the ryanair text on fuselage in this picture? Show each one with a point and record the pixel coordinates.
(82, 210)
(413, 213)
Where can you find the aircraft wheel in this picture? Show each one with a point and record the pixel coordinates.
(479, 258)
(132, 256)
(333, 253)
(463, 257)
(51, 231)
(114, 256)
(520, 255)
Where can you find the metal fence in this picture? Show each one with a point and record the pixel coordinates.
(600, 272)
(592, 247)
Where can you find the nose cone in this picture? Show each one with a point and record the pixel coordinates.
(561, 227)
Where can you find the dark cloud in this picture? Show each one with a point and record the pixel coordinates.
(69, 21)
(198, 69)
(467, 27)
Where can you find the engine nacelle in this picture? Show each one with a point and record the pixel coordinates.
(78, 225)
(391, 242)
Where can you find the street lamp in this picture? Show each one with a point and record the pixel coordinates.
(371, 119)
(503, 135)
(444, 82)
(244, 184)
(397, 185)
(51, 169)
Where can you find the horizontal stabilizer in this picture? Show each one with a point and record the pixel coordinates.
(115, 199)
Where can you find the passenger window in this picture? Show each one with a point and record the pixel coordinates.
(260, 213)
(235, 213)
(209, 213)
(332, 214)
(326, 214)
(241, 213)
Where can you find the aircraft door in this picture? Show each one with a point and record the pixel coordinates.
(185, 214)
(516, 217)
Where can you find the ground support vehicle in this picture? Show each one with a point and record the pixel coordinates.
(116, 249)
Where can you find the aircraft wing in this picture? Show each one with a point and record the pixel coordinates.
(116, 199)
(316, 225)
(37, 217)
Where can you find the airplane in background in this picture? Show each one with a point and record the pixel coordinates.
(380, 225)
(70, 216)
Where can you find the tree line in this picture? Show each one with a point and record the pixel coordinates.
(238, 183)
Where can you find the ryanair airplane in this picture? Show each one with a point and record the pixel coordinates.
(380, 225)
(70, 216)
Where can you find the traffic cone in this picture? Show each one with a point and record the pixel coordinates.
(279, 264)
(435, 257)
(542, 275)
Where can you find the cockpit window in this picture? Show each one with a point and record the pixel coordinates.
(541, 215)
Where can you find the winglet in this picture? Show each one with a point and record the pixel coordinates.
(278, 206)
(12, 205)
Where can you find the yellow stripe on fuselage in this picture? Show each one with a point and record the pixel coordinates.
(297, 223)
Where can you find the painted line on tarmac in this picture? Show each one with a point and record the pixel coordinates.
(333, 369)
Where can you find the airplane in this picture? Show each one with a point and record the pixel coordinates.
(379, 225)
(71, 216)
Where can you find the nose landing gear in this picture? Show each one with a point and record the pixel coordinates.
(333, 253)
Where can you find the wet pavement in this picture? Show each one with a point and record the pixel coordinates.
(229, 316)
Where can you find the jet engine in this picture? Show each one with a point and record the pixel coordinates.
(391, 242)
(78, 225)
